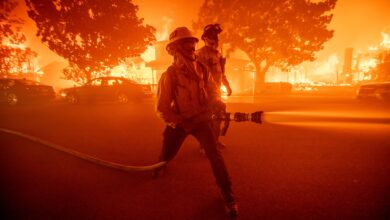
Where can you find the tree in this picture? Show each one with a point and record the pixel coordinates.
(93, 35)
(15, 58)
(280, 33)
(10, 26)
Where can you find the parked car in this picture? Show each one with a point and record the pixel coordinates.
(116, 89)
(374, 91)
(16, 91)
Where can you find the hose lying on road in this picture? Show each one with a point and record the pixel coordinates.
(84, 156)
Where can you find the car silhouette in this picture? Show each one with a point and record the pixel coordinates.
(116, 89)
(380, 91)
(17, 91)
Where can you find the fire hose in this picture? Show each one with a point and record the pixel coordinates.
(239, 117)
(84, 156)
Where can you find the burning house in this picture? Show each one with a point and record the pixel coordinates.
(373, 65)
(19, 61)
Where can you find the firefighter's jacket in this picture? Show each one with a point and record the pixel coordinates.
(213, 60)
(183, 94)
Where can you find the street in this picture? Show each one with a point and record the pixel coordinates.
(290, 167)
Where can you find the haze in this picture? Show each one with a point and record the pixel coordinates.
(357, 24)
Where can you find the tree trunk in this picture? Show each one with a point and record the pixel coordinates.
(260, 74)
(260, 77)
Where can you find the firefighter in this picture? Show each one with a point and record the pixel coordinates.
(210, 57)
(184, 96)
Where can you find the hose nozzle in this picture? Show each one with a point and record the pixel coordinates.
(255, 117)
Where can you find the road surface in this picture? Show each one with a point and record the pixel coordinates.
(290, 167)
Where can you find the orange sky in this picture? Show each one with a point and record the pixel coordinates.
(357, 23)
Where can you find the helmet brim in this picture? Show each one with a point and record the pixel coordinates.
(181, 38)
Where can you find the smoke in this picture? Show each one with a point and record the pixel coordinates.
(163, 35)
(386, 40)
(325, 70)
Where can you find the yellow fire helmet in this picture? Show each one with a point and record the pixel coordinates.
(180, 33)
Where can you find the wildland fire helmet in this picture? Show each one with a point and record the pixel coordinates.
(179, 34)
(211, 31)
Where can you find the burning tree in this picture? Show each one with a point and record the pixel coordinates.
(280, 33)
(15, 58)
(93, 35)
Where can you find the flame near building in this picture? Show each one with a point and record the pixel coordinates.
(20, 61)
(146, 69)
(367, 66)
(363, 66)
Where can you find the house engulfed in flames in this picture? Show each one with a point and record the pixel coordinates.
(373, 65)
(20, 61)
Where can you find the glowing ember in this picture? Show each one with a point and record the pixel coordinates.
(224, 92)
(223, 89)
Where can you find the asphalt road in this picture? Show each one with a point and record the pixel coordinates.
(333, 165)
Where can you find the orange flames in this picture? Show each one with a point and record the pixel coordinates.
(386, 41)
(139, 71)
(27, 66)
(369, 61)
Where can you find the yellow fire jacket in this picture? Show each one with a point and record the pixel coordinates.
(183, 95)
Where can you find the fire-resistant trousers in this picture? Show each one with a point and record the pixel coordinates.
(173, 138)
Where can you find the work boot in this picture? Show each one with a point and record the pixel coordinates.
(231, 207)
